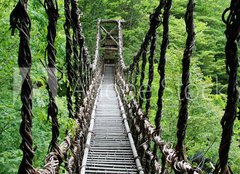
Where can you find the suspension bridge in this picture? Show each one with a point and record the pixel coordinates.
(114, 134)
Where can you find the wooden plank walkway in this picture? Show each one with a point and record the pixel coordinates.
(110, 149)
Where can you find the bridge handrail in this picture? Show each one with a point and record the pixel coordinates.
(170, 154)
(142, 127)
(78, 71)
(52, 162)
(141, 123)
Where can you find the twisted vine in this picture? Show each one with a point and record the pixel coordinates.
(231, 49)
(150, 73)
(144, 62)
(70, 73)
(75, 39)
(161, 71)
(154, 24)
(51, 8)
(184, 95)
(136, 77)
(20, 20)
(84, 68)
(78, 47)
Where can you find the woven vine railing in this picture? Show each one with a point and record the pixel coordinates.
(81, 76)
(148, 137)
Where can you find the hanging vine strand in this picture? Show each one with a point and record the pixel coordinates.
(154, 23)
(184, 96)
(70, 73)
(85, 67)
(150, 73)
(52, 12)
(141, 86)
(75, 26)
(162, 62)
(232, 34)
(161, 71)
(19, 19)
(78, 49)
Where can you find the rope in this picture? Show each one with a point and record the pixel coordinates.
(82, 49)
(155, 20)
(148, 95)
(88, 74)
(70, 73)
(85, 67)
(150, 73)
(162, 62)
(85, 56)
(72, 77)
(232, 34)
(184, 96)
(144, 62)
(136, 77)
(161, 71)
(75, 25)
(52, 12)
(144, 134)
(78, 49)
(19, 19)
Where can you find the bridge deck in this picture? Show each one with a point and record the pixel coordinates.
(110, 149)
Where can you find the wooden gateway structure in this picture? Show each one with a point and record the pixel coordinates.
(111, 39)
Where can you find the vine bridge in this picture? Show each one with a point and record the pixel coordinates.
(114, 133)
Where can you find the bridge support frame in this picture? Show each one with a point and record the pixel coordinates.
(110, 39)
